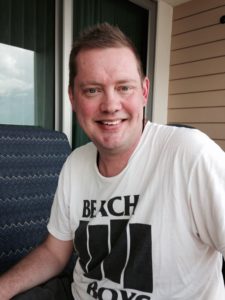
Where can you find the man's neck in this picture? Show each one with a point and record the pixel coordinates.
(112, 163)
(111, 166)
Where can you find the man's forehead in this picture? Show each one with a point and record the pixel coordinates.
(99, 51)
(116, 58)
(113, 60)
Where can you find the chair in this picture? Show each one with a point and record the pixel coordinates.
(30, 162)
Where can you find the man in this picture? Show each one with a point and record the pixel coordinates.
(144, 204)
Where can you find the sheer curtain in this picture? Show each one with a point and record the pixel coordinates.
(44, 63)
(29, 24)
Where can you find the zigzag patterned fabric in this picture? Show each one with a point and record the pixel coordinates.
(30, 162)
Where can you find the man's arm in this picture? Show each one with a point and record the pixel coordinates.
(46, 261)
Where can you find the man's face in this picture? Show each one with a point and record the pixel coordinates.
(109, 97)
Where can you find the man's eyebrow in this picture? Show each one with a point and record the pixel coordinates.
(86, 83)
(96, 83)
(126, 81)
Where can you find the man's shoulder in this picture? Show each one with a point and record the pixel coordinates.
(185, 134)
(180, 138)
(84, 149)
(82, 154)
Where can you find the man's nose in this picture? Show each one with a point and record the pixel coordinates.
(111, 102)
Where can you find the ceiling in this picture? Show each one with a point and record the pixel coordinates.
(176, 2)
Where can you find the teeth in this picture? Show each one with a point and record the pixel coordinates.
(111, 122)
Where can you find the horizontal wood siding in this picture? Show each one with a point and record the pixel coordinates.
(197, 84)
(200, 36)
(198, 52)
(214, 130)
(198, 115)
(221, 143)
(197, 68)
(201, 99)
(195, 7)
(198, 21)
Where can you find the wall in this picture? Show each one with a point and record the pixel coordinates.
(197, 68)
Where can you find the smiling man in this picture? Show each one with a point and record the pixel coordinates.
(108, 97)
(143, 204)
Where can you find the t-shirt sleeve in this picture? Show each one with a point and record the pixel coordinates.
(207, 196)
(59, 222)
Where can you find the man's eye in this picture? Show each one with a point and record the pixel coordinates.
(91, 91)
(125, 88)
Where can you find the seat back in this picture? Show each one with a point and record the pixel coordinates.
(30, 162)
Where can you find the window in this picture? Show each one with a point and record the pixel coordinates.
(16, 85)
(27, 46)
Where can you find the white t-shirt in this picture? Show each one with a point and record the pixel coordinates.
(156, 231)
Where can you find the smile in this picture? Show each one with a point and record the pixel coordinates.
(111, 123)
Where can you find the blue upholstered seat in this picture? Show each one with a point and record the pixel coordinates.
(30, 162)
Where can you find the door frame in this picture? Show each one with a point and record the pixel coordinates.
(151, 6)
(63, 108)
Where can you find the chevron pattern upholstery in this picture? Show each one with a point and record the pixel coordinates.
(30, 161)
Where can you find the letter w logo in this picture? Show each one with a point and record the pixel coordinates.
(121, 253)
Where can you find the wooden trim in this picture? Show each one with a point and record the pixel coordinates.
(199, 68)
(194, 7)
(221, 144)
(197, 84)
(197, 115)
(203, 19)
(215, 131)
(195, 53)
(202, 99)
(198, 37)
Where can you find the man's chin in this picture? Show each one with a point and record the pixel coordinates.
(110, 147)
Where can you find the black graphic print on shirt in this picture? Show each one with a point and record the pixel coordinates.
(119, 251)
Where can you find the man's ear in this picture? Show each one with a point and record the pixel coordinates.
(71, 96)
(146, 87)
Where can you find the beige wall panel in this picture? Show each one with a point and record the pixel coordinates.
(198, 68)
(197, 84)
(197, 115)
(195, 6)
(214, 49)
(204, 99)
(204, 19)
(215, 131)
(221, 143)
(200, 36)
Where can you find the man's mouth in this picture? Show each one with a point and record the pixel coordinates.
(111, 123)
